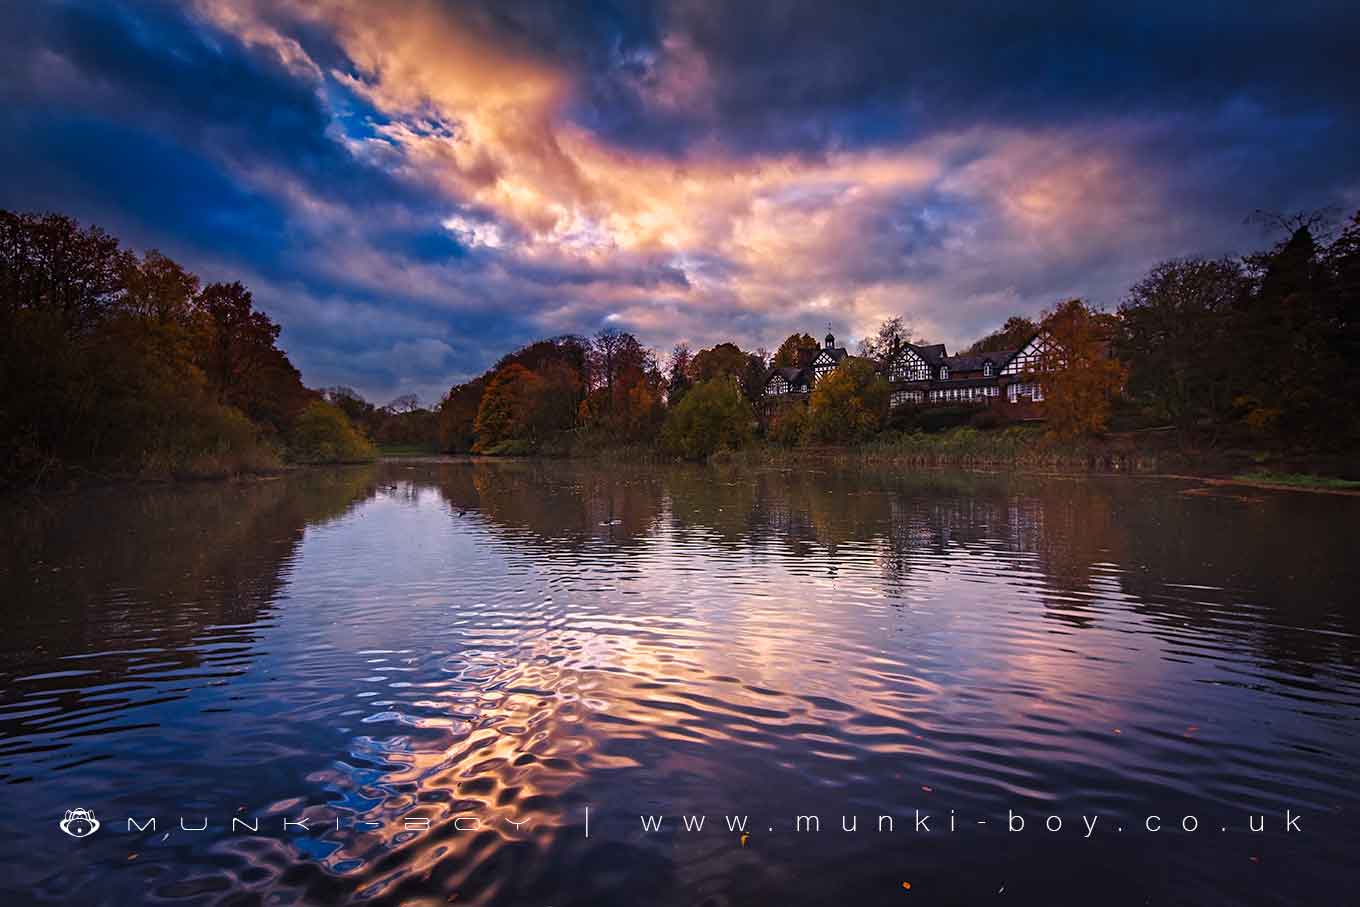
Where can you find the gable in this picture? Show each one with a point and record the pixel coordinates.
(909, 365)
(1028, 358)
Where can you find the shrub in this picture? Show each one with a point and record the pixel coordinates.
(713, 416)
(511, 447)
(224, 442)
(847, 405)
(940, 418)
(788, 424)
(903, 418)
(986, 420)
(324, 434)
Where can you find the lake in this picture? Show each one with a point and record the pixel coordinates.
(566, 684)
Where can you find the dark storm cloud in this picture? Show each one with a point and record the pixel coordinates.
(177, 136)
(413, 188)
(811, 75)
(139, 113)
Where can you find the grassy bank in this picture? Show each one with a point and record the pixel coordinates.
(407, 450)
(969, 448)
(1297, 480)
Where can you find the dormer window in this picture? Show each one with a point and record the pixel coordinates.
(944, 373)
(986, 370)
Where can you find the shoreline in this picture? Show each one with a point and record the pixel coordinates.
(851, 457)
(1053, 466)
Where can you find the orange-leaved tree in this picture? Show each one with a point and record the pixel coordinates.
(1077, 372)
(505, 403)
(787, 354)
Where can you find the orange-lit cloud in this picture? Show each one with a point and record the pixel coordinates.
(803, 239)
(489, 172)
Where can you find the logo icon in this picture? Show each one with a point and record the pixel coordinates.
(79, 823)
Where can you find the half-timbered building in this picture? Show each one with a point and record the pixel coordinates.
(926, 375)
(814, 363)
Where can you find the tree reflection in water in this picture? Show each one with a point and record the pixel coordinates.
(517, 640)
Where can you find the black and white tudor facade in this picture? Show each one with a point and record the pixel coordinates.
(926, 375)
(813, 363)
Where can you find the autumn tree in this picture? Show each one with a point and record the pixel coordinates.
(788, 424)
(726, 360)
(713, 416)
(457, 416)
(102, 358)
(1077, 372)
(847, 405)
(612, 353)
(552, 404)
(1012, 335)
(641, 417)
(567, 349)
(626, 400)
(504, 405)
(240, 357)
(787, 354)
(54, 271)
(678, 381)
(752, 378)
(351, 403)
(628, 412)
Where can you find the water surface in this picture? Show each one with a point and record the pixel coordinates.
(444, 669)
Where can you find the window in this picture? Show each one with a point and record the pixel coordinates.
(1018, 392)
(986, 370)
(944, 373)
(901, 398)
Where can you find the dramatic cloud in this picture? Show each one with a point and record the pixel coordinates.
(414, 188)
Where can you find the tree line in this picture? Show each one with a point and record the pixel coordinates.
(1268, 344)
(1259, 349)
(117, 363)
(114, 361)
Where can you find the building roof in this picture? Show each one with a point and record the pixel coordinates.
(791, 374)
(975, 363)
(933, 353)
(801, 374)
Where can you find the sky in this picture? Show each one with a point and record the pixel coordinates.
(414, 189)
